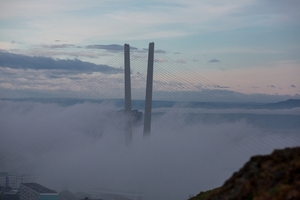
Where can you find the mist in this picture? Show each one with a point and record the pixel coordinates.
(82, 148)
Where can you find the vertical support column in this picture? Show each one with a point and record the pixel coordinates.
(149, 85)
(127, 111)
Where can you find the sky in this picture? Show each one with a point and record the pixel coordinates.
(74, 48)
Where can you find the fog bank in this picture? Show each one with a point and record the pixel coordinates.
(82, 147)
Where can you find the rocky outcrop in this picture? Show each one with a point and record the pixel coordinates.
(270, 177)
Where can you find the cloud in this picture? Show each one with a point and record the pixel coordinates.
(61, 83)
(67, 83)
(15, 42)
(160, 51)
(110, 48)
(59, 51)
(219, 86)
(272, 86)
(181, 61)
(293, 86)
(226, 110)
(176, 18)
(16, 61)
(59, 46)
(279, 10)
(214, 60)
(160, 60)
(131, 23)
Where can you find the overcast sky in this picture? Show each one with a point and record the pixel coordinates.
(249, 46)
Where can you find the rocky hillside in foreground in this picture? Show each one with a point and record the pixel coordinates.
(270, 177)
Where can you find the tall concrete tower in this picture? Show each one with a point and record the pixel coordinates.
(127, 112)
(149, 85)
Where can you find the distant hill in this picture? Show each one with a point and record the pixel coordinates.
(272, 177)
(140, 104)
(291, 103)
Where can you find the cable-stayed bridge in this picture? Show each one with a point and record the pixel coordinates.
(172, 81)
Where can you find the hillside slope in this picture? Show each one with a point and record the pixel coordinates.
(270, 177)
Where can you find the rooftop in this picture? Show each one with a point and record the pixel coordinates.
(38, 188)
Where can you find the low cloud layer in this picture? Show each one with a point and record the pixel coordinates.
(59, 46)
(81, 147)
(16, 61)
(214, 61)
(111, 47)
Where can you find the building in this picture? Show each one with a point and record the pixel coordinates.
(7, 180)
(35, 191)
(14, 181)
(3, 179)
(25, 178)
(11, 181)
